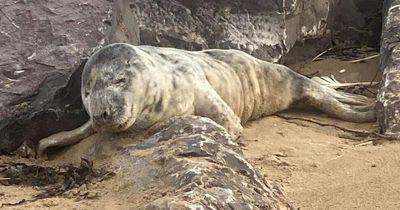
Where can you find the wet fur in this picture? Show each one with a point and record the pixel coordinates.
(228, 86)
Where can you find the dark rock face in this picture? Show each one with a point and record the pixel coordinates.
(358, 23)
(389, 93)
(39, 39)
(55, 108)
(265, 29)
(41, 44)
(192, 163)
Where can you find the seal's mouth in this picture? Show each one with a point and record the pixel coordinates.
(121, 123)
(119, 126)
(116, 119)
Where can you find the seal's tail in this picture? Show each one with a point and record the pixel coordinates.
(346, 106)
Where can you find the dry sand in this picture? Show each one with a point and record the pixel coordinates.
(319, 170)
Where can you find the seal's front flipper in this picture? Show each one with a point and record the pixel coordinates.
(65, 138)
(209, 104)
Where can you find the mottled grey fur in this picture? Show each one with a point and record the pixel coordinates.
(125, 86)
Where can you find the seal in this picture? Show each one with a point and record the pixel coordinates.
(135, 87)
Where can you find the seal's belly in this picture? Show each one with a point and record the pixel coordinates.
(228, 85)
(246, 86)
(240, 82)
(252, 88)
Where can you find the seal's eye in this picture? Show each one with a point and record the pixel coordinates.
(119, 81)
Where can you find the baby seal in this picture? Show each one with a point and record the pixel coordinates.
(135, 87)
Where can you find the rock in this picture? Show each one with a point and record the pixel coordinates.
(358, 23)
(265, 29)
(42, 44)
(192, 163)
(124, 26)
(389, 94)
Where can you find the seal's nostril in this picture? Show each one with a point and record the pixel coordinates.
(105, 115)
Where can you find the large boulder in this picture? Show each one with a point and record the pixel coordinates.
(265, 29)
(192, 163)
(389, 93)
(42, 44)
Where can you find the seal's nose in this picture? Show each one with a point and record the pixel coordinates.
(102, 117)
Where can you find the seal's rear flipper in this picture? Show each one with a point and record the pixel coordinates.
(345, 106)
(65, 138)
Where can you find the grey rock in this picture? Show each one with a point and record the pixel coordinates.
(358, 23)
(389, 94)
(42, 44)
(265, 29)
(124, 26)
(192, 163)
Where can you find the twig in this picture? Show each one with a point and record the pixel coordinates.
(4, 179)
(362, 83)
(321, 54)
(360, 132)
(388, 137)
(366, 89)
(299, 124)
(106, 175)
(310, 75)
(44, 64)
(19, 202)
(350, 137)
(364, 59)
(357, 30)
(340, 85)
(373, 79)
(364, 143)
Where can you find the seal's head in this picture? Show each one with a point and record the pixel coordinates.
(108, 87)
